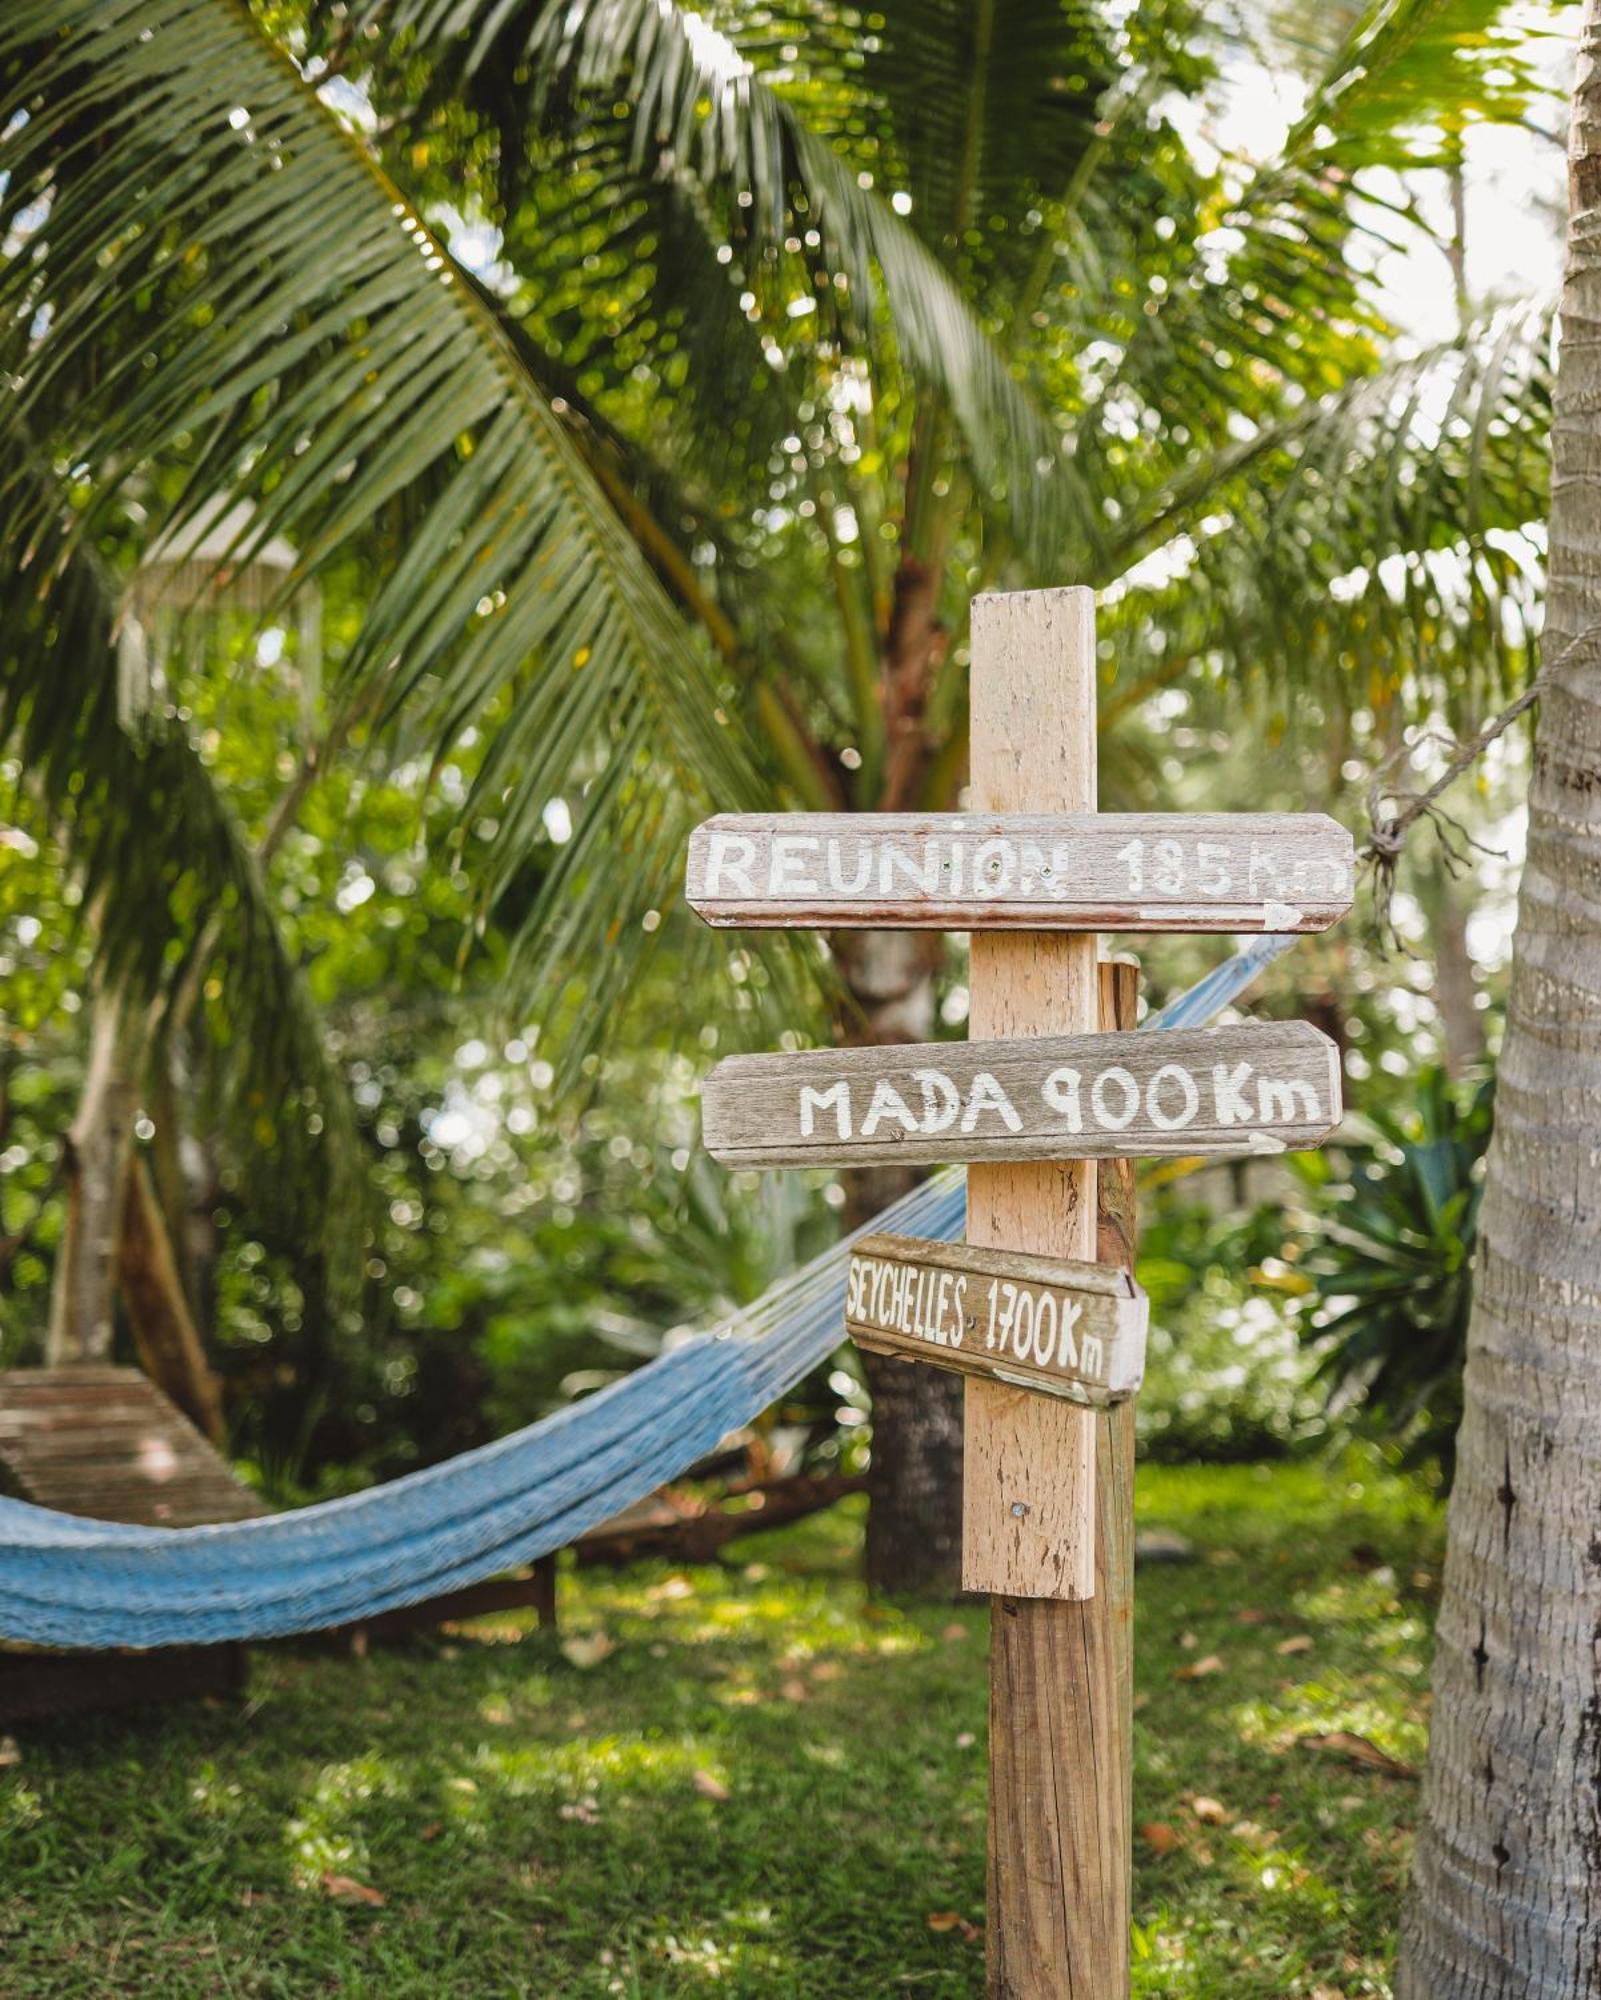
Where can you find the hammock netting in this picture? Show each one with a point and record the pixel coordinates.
(66, 1581)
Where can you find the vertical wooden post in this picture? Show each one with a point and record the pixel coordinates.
(1048, 1506)
(1028, 1504)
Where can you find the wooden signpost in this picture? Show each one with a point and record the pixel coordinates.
(1067, 871)
(1047, 1323)
(1268, 1087)
(1036, 1309)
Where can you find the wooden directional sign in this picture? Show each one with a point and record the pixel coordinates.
(1068, 871)
(1266, 1087)
(1050, 1323)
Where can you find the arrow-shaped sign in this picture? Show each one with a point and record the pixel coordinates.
(1264, 1087)
(1068, 871)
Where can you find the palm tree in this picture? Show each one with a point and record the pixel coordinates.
(950, 296)
(1504, 1893)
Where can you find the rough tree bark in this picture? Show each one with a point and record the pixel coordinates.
(1506, 1898)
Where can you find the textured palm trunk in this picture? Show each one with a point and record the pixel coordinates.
(1506, 1896)
(96, 1153)
(914, 1517)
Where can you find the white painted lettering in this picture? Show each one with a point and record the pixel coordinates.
(887, 1103)
(1104, 1114)
(813, 1101)
(729, 854)
(1228, 1089)
(853, 1295)
(1171, 1121)
(1072, 1312)
(787, 857)
(833, 858)
(959, 1301)
(921, 871)
(1282, 1101)
(1045, 1330)
(941, 1100)
(994, 862)
(1060, 1090)
(987, 1095)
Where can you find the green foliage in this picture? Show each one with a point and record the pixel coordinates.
(1225, 1377)
(765, 1788)
(1391, 1259)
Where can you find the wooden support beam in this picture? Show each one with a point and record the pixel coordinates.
(1029, 1471)
(1062, 1710)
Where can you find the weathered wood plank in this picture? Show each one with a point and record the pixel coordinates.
(1024, 871)
(105, 1443)
(1262, 1087)
(1051, 1324)
(1061, 1707)
(1029, 1473)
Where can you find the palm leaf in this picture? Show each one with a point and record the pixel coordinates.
(161, 858)
(808, 223)
(218, 293)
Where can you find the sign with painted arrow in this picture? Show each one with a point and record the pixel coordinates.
(1263, 1087)
(1072, 871)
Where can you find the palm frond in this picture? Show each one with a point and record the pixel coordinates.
(216, 292)
(1381, 536)
(162, 864)
(812, 231)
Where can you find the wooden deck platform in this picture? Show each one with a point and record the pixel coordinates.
(105, 1442)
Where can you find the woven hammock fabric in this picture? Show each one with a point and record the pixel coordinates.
(65, 1581)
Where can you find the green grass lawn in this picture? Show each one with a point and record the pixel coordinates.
(748, 1782)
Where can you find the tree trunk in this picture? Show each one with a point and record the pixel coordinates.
(914, 1509)
(1506, 1898)
(1455, 987)
(95, 1158)
(158, 1310)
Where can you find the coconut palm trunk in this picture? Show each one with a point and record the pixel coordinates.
(1506, 1898)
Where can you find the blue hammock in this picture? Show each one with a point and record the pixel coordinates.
(65, 1581)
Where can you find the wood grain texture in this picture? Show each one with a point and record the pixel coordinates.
(1061, 1711)
(1039, 1323)
(105, 1442)
(1029, 1465)
(1026, 870)
(1259, 1087)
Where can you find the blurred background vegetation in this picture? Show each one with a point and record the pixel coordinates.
(816, 320)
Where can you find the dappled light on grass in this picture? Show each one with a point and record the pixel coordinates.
(758, 1786)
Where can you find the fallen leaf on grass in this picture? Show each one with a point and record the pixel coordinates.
(1358, 1750)
(1161, 1838)
(346, 1889)
(1252, 1617)
(952, 1633)
(1212, 1811)
(1199, 1669)
(587, 1649)
(952, 1920)
(432, 1830)
(965, 1740)
(10, 1752)
(710, 1787)
(1303, 1642)
(794, 1690)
